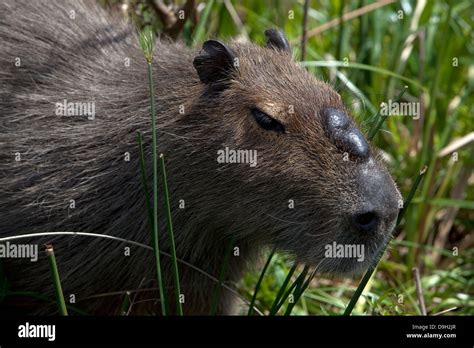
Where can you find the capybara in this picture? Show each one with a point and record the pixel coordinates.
(258, 151)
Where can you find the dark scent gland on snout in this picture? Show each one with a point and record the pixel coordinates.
(344, 134)
(240, 106)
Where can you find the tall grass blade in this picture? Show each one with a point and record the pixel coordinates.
(305, 30)
(411, 194)
(143, 176)
(441, 58)
(257, 287)
(294, 288)
(281, 292)
(299, 291)
(359, 66)
(146, 42)
(200, 33)
(56, 280)
(169, 222)
(340, 33)
(126, 304)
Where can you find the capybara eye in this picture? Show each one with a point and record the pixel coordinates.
(344, 135)
(267, 122)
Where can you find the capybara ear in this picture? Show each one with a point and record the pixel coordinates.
(277, 40)
(215, 63)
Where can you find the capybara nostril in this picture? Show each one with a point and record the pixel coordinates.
(365, 222)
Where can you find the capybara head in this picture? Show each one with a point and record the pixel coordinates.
(293, 168)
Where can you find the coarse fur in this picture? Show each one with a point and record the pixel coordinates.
(96, 58)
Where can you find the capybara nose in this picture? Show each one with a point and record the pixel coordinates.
(380, 200)
(366, 222)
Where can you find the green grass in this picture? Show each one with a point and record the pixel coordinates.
(259, 282)
(146, 41)
(169, 224)
(56, 280)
